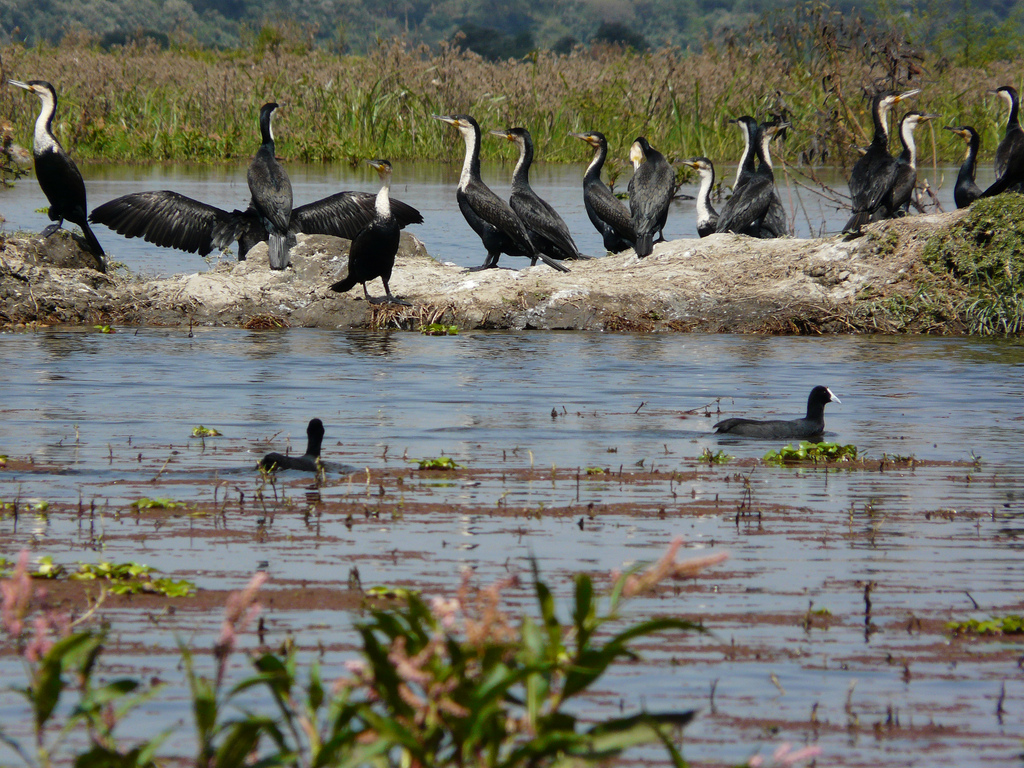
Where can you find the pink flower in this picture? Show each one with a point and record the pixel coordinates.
(17, 594)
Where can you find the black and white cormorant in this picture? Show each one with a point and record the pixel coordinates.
(707, 216)
(498, 226)
(59, 177)
(650, 194)
(874, 174)
(606, 212)
(372, 253)
(749, 208)
(1010, 152)
(966, 191)
(172, 220)
(906, 173)
(308, 462)
(548, 231)
(784, 429)
(271, 191)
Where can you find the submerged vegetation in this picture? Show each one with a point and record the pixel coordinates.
(142, 102)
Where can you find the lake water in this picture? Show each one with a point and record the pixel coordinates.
(430, 187)
(106, 420)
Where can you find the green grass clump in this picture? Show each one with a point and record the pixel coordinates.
(985, 252)
(812, 452)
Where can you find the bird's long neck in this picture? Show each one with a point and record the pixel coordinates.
(471, 163)
(596, 163)
(971, 161)
(43, 139)
(704, 208)
(521, 175)
(881, 119)
(267, 132)
(909, 155)
(383, 203)
(765, 154)
(747, 159)
(1013, 118)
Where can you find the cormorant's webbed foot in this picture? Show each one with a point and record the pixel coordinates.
(50, 229)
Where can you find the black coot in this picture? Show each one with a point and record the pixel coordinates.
(810, 425)
(309, 462)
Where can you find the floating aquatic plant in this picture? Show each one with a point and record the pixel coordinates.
(812, 452)
(202, 431)
(439, 329)
(105, 328)
(442, 462)
(1011, 624)
(718, 457)
(147, 503)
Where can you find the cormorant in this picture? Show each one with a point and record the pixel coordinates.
(271, 192)
(875, 173)
(309, 462)
(1010, 152)
(172, 220)
(498, 226)
(650, 193)
(966, 191)
(606, 212)
(906, 173)
(707, 216)
(548, 231)
(372, 253)
(812, 424)
(747, 211)
(58, 176)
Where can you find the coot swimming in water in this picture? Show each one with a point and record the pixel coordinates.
(810, 425)
(309, 462)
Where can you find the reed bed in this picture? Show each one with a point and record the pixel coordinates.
(141, 103)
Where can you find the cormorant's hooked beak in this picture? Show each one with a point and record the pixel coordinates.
(691, 164)
(589, 138)
(20, 84)
(906, 95)
(381, 166)
(504, 133)
(447, 119)
(928, 116)
(958, 130)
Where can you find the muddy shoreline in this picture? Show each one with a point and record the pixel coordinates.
(723, 283)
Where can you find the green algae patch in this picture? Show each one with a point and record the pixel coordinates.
(984, 251)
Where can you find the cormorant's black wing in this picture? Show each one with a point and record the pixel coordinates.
(871, 180)
(271, 189)
(540, 217)
(748, 205)
(346, 214)
(496, 212)
(168, 219)
(610, 210)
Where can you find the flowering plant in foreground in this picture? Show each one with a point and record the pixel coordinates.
(454, 681)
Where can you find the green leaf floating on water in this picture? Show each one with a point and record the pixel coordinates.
(812, 452)
(442, 462)
(146, 503)
(132, 579)
(997, 625)
(439, 329)
(202, 431)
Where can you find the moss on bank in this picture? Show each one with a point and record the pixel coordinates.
(984, 252)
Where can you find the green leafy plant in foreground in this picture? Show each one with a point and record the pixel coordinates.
(445, 682)
(439, 329)
(812, 452)
(1011, 624)
(202, 431)
(716, 457)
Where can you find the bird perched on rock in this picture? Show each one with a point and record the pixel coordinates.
(606, 212)
(58, 176)
(372, 253)
(875, 173)
(650, 193)
(707, 216)
(1010, 152)
(966, 190)
(547, 230)
(498, 226)
(906, 171)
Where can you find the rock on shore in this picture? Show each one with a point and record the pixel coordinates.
(720, 283)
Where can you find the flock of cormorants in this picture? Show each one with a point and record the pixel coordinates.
(881, 187)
